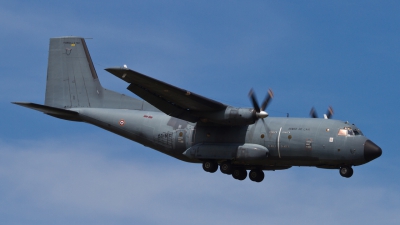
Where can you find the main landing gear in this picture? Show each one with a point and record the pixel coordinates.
(226, 168)
(346, 171)
(239, 173)
(210, 166)
(256, 175)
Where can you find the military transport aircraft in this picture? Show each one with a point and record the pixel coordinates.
(193, 128)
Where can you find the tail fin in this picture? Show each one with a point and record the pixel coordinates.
(71, 78)
(72, 82)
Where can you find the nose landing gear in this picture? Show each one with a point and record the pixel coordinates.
(346, 171)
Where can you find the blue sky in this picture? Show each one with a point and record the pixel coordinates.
(311, 53)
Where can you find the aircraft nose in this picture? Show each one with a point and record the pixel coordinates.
(371, 151)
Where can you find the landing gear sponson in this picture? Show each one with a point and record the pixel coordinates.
(256, 175)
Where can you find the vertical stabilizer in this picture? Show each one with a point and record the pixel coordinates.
(71, 78)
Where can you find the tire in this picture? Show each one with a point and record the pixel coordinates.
(346, 171)
(239, 173)
(226, 168)
(210, 166)
(256, 175)
(350, 173)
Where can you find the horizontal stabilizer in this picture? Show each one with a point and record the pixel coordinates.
(52, 111)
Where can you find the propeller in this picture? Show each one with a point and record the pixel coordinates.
(328, 114)
(260, 112)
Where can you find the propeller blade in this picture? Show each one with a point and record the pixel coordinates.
(267, 130)
(254, 100)
(267, 100)
(313, 113)
(329, 113)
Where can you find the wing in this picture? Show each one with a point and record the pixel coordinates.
(171, 100)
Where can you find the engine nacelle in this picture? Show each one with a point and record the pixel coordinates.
(227, 151)
(231, 116)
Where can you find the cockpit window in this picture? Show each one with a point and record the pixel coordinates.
(358, 132)
(342, 132)
(348, 131)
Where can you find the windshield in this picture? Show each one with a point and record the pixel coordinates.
(349, 131)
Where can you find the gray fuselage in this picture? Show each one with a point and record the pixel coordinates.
(290, 141)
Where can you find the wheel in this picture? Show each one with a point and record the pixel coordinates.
(210, 166)
(346, 171)
(256, 175)
(239, 173)
(226, 168)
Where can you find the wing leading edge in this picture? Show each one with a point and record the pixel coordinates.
(169, 99)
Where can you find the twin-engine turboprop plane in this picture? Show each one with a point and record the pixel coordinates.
(193, 128)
